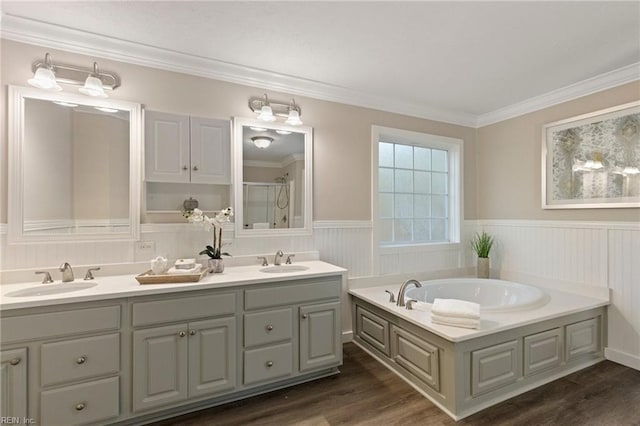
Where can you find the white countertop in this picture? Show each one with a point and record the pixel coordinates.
(560, 304)
(119, 286)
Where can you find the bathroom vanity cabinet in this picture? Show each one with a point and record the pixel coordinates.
(183, 149)
(143, 358)
(465, 376)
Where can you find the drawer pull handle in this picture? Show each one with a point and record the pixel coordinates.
(182, 333)
(195, 168)
(304, 316)
(192, 332)
(81, 360)
(269, 364)
(81, 406)
(15, 361)
(185, 168)
(269, 327)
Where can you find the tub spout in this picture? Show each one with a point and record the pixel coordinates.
(403, 288)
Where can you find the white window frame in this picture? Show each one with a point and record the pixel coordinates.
(454, 147)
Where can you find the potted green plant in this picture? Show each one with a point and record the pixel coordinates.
(481, 244)
(214, 251)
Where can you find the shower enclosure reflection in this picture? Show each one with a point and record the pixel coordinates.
(270, 205)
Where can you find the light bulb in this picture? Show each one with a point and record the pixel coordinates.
(266, 114)
(294, 118)
(44, 78)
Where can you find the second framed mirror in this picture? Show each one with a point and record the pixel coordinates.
(272, 178)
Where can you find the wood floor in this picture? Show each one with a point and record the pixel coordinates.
(367, 393)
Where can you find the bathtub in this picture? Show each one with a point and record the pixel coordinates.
(491, 295)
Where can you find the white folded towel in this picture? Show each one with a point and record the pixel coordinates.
(176, 271)
(456, 308)
(455, 322)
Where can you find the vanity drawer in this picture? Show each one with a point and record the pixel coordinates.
(54, 324)
(297, 292)
(183, 309)
(268, 363)
(268, 327)
(72, 360)
(81, 404)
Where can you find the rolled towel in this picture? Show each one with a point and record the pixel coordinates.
(176, 271)
(455, 322)
(456, 308)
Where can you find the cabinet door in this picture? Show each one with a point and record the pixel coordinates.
(212, 356)
(210, 145)
(13, 383)
(159, 366)
(166, 143)
(320, 336)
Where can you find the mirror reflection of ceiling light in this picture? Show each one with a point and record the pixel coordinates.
(283, 132)
(104, 109)
(65, 104)
(258, 129)
(262, 142)
(44, 77)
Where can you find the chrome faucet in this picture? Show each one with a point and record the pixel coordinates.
(67, 272)
(278, 257)
(403, 288)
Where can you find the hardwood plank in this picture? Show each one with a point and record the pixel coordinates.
(367, 393)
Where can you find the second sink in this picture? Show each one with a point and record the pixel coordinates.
(49, 289)
(280, 269)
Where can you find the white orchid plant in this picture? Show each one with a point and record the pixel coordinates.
(214, 225)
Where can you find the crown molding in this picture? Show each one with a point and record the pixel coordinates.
(586, 87)
(43, 34)
(40, 33)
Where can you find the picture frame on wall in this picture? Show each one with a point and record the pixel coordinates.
(592, 160)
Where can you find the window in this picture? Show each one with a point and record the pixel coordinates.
(416, 193)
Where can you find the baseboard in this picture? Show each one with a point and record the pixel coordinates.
(628, 360)
(347, 336)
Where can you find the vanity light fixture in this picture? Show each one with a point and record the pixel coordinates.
(44, 77)
(293, 119)
(268, 110)
(93, 84)
(262, 142)
(47, 75)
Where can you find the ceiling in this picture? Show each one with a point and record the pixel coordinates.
(438, 60)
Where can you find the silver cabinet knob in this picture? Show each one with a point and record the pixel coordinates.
(182, 333)
(269, 327)
(185, 168)
(269, 364)
(304, 316)
(15, 361)
(81, 406)
(81, 360)
(195, 168)
(192, 332)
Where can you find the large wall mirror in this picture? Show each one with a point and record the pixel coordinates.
(272, 178)
(74, 167)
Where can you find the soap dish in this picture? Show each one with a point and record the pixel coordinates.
(149, 277)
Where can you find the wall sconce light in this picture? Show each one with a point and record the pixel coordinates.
(269, 110)
(262, 142)
(44, 77)
(47, 75)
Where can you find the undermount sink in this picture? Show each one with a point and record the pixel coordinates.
(281, 269)
(50, 289)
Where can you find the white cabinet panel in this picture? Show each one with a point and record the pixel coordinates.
(13, 383)
(320, 336)
(167, 154)
(210, 156)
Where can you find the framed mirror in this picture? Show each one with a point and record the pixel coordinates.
(272, 178)
(74, 167)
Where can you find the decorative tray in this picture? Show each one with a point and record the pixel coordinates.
(148, 277)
